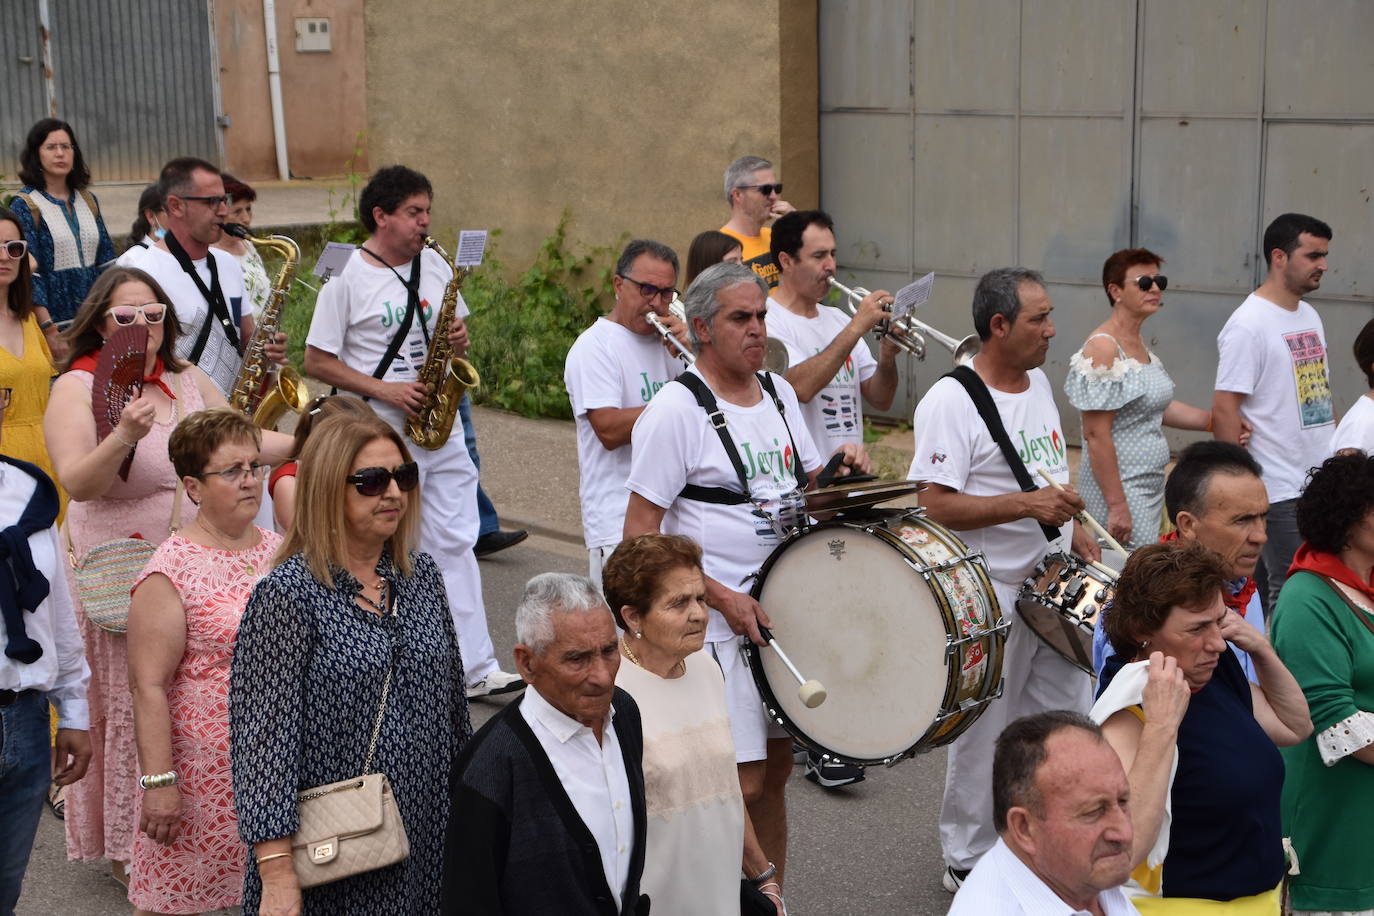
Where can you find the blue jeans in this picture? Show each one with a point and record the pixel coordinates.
(25, 769)
(486, 512)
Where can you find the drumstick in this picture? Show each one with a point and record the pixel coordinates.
(1088, 520)
(1103, 567)
(812, 693)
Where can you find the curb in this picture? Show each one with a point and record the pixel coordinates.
(548, 531)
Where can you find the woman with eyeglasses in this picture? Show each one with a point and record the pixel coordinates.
(61, 220)
(101, 814)
(187, 856)
(351, 620)
(26, 363)
(1126, 398)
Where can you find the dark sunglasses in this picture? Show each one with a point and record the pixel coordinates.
(649, 291)
(1146, 282)
(374, 481)
(16, 248)
(766, 190)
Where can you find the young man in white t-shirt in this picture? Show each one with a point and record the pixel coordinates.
(1356, 429)
(196, 208)
(357, 316)
(1272, 373)
(830, 366)
(674, 447)
(612, 371)
(971, 488)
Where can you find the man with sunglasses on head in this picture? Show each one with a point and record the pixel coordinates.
(755, 196)
(370, 336)
(204, 284)
(612, 371)
(1272, 373)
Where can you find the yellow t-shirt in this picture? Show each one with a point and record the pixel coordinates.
(757, 254)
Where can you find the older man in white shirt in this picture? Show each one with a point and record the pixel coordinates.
(1060, 806)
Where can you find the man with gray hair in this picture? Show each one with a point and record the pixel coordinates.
(972, 488)
(567, 754)
(717, 455)
(755, 196)
(612, 371)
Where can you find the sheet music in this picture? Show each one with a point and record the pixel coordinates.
(912, 296)
(333, 259)
(472, 245)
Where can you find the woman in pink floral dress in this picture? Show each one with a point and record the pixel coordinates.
(188, 857)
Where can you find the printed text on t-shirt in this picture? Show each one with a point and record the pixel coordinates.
(1309, 371)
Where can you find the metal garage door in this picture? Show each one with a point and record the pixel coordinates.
(961, 135)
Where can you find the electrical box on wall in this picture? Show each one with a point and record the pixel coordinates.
(312, 36)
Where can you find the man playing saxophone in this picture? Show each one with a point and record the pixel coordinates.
(370, 336)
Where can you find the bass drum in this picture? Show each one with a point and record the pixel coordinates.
(894, 615)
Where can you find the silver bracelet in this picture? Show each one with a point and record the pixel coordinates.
(764, 875)
(157, 780)
(115, 432)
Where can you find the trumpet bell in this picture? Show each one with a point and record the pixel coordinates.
(775, 357)
(966, 350)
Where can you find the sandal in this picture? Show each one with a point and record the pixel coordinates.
(57, 800)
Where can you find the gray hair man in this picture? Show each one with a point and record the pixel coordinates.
(685, 480)
(971, 488)
(612, 371)
(754, 193)
(1060, 805)
(568, 752)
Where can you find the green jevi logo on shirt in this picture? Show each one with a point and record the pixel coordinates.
(1045, 449)
(649, 388)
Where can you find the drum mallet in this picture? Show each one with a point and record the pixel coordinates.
(812, 692)
(1088, 520)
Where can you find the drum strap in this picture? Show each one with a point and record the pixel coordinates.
(721, 495)
(982, 399)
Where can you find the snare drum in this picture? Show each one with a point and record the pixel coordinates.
(1061, 600)
(897, 619)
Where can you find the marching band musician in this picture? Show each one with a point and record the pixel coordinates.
(612, 371)
(370, 336)
(755, 196)
(830, 366)
(708, 451)
(205, 284)
(971, 488)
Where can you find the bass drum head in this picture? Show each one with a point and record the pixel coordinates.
(851, 612)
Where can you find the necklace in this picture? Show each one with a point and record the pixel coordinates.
(630, 654)
(222, 541)
(380, 604)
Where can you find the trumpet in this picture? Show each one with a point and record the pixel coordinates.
(910, 333)
(678, 311)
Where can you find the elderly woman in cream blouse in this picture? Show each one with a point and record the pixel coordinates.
(699, 834)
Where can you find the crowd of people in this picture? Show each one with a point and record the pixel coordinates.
(262, 699)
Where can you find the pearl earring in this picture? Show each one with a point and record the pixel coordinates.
(639, 634)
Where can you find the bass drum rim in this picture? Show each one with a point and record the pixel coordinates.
(951, 722)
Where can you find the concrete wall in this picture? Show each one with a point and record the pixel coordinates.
(324, 99)
(623, 111)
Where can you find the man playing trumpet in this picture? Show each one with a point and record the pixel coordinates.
(612, 371)
(370, 336)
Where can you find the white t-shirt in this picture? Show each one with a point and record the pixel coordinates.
(674, 445)
(1356, 429)
(835, 415)
(219, 360)
(954, 448)
(358, 311)
(610, 366)
(1277, 359)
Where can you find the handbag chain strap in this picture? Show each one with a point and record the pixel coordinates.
(377, 725)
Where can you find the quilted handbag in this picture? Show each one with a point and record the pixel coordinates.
(349, 827)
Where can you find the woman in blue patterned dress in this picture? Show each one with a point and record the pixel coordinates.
(347, 600)
(1126, 399)
(61, 220)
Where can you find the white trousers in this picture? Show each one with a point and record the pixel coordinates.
(1035, 679)
(596, 562)
(448, 529)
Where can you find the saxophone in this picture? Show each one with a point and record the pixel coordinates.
(261, 390)
(448, 376)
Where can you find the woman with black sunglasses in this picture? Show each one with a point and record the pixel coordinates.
(351, 620)
(120, 486)
(1126, 398)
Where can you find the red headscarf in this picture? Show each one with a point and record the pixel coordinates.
(1330, 565)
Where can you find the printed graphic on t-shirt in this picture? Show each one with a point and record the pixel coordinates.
(1309, 371)
(765, 267)
(1044, 449)
(840, 408)
(649, 387)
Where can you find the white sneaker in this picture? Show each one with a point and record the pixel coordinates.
(497, 682)
(954, 878)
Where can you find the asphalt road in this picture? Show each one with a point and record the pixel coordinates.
(866, 849)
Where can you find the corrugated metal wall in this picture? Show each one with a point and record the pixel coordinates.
(135, 78)
(962, 135)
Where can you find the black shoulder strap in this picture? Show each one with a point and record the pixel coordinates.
(982, 399)
(216, 307)
(718, 495)
(403, 330)
(766, 380)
